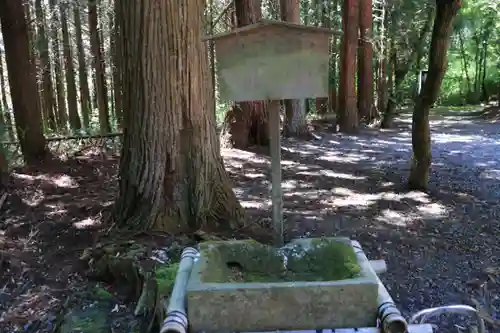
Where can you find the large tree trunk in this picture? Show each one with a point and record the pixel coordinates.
(295, 110)
(171, 173)
(100, 71)
(348, 114)
(22, 79)
(365, 61)
(421, 137)
(85, 101)
(245, 123)
(74, 118)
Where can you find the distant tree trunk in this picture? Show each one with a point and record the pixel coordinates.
(4, 168)
(321, 103)
(100, 71)
(401, 69)
(74, 118)
(85, 101)
(295, 111)
(22, 79)
(365, 61)
(334, 59)
(58, 69)
(5, 105)
(34, 55)
(446, 10)
(245, 123)
(49, 102)
(348, 114)
(171, 172)
(115, 58)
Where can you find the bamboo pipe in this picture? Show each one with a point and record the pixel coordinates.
(390, 317)
(176, 320)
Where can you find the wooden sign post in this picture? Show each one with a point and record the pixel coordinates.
(273, 60)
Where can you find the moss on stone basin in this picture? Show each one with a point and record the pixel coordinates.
(315, 259)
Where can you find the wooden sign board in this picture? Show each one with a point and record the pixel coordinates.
(273, 60)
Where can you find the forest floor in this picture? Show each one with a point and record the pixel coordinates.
(441, 247)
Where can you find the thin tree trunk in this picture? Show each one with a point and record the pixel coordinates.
(58, 69)
(171, 172)
(74, 118)
(6, 109)
(115, 57)
(348, 114)
(85, 100)
(465, 61)
(100, 71)
(365, 61)
(295, 112)
(22, 79)
(446, 10)
(402, 68)
(49, 102)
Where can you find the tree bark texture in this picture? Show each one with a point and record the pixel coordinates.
(365, 61)
(245, 123)
(171, 173)
(348, 119)
(22, 79)
(99, 68)
(446, 11)
(295, 124)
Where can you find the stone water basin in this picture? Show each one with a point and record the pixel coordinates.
(311, 283)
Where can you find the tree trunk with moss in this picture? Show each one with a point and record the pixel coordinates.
(22, 79)
(245, 123)
(446, 11)
(172, 175)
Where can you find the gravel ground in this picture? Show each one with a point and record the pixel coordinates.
(441, 247)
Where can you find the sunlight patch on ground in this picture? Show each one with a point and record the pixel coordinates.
(447, 138)
(34, 199)
(63, 181)
(330, 174)
(395, 218)
(344, 158)
(87, 223)
(254, 175)
(490, 174)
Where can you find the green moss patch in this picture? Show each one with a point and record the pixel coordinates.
(249, 261)
(165, 277)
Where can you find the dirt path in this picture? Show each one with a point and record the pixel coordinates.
(440, 247)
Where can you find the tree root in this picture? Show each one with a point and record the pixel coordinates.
(127, 267)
